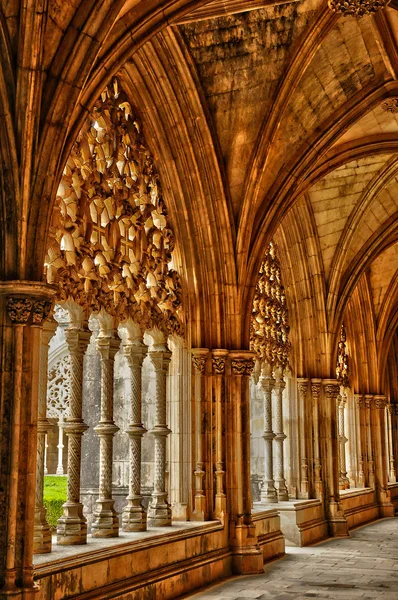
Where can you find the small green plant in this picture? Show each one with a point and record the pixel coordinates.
(54, 497)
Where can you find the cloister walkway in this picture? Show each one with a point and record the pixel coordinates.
(362, 566)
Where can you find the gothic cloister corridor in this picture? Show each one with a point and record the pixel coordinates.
(363, 566)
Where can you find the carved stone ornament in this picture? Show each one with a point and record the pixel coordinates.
(40, 311)
(390, 105)
(58, 389)
(342, 370)
(315, 390)
(19, 309)
(269, 329)
(218, 363)
(199, 362)
(242, 366)
(332, 391)
(111, 242)
(302, 387)
(357, 8)
(359, 400)
(380, 401)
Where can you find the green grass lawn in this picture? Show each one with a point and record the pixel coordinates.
(54, 496)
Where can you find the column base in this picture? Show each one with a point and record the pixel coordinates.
(199, 511)
(220, 507)
(246, 554)
(386, 507)
(159, 512)
(281, 490)
(72, 526)
(42, 542)
(337, 523)
(268, 493)
(134, 516)
(106, 522)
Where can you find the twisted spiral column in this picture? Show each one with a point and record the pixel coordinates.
(106, 522)
(72, 526)
(279, 476)
(268, 491)
(42, 531)
(343, 479)
(134, 515)
(159, 511)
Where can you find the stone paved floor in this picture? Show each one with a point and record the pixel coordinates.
(362, 566)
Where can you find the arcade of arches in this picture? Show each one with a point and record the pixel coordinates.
(198, 286)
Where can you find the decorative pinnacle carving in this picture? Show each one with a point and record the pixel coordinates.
(342, 370)
(23, 310)
(269, 329)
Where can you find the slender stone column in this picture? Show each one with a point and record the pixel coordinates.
(159, 511)
(24, 306)
(378, 412)
(60, 466)
(218, 362)
(390, 417)
(279, 476)
(343, 479)
(369, 447)
(42, 531)
(199, 361)
(267, 383)
(329, 453)
(302, 386)
(246, 554)
(316, 392)
(106, 522)
(361, 435)
(72, 526)
(134, 515)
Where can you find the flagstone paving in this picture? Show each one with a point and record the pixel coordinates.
(362, 566)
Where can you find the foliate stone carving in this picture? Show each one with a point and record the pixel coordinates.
(269, 329)
(40, 311)
(218, 363)
(390, 105)
(19, 309)
(199, 362)
(332, 391)
(359, 400)
(357, 8)
(368, 400)
(342, 370)
(302, 386)
(110, 240)
(242, 366)
(380, 401)
(315, 390)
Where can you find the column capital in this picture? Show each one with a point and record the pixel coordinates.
(302, 386)
(368, 400)
(331, 388)
(218, 360)
(108, 346)
(77, 340)
(242, 362)
(160, 359)
(359, 400)
(316, 386)
(379, 401)
(267, 383)
(199, 359)
(135, 353)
